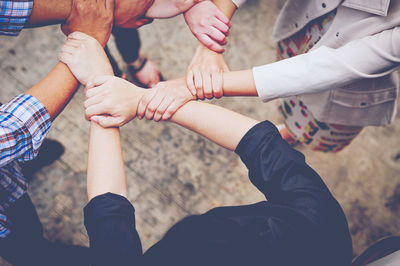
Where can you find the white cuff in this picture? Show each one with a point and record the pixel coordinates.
(238, 3)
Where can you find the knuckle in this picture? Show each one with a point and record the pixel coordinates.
(203, 22)
(218, 90)
(151, 109)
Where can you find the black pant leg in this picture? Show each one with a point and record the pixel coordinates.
(128, 43)
(110, 223)
(26, 246)
(26, 233)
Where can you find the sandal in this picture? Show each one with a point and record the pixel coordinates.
(135, 67)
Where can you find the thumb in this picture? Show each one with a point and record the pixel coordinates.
(65, 29)
(106, 121)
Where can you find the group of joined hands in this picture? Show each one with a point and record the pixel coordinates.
(112, 101)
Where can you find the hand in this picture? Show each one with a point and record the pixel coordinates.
(93, 17)
(111, 101)
(209, 25)
(163, 100)
(85, 57)
(204, 77)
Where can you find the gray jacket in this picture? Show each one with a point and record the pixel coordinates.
(348, 77)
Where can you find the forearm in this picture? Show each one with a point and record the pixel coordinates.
(47, 12)
(105, 163)
(239, 83)
(223, 127)
(55, 90)
(226, 6)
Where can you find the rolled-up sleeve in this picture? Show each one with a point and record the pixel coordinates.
(13, 16)
(24, 124)
(326, 68)
(110, 223)
(296, 194)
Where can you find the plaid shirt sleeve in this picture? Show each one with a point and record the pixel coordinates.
(13, 15)
(24, 123)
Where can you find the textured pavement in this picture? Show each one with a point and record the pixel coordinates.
(173, 172)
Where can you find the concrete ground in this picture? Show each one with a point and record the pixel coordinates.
(173, 172)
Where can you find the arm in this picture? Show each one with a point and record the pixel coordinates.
(303, 217)
(49, 12)
(204, 75)
(116, 98)
(55, 90)
(27, 119)
(163, 100)
(239, 83)
(222, 126)
(109, 216)
(326, 68)
(105, 163)
(228, 7)
(105, 91)
(58, 86)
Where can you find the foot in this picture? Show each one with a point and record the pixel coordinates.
(145, 72)
(49, 152)
(284, 131)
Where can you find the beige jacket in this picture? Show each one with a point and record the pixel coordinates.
(348, 77)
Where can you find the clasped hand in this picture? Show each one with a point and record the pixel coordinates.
(96, 17)
(112, 101)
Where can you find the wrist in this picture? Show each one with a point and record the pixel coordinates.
(201, 49)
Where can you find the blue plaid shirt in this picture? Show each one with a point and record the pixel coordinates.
(24, 123)
(13, 15)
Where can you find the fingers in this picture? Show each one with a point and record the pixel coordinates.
(96, 82)
(162, 108)
(217, 35)
(107, 121)
(93, 101)
(216, 78)
(171, 110)
(153, 105)
(198, 83)
(222, 27)
(73, 43)
(190, 82)
(66, 58)
(65, 29)
(207, 86)
(68, 49)
(146, 99)
(77, 35)
(97, 109)
(210, 44)
(221, 16)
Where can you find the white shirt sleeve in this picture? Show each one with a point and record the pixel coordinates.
(326, 68)
(238, 3)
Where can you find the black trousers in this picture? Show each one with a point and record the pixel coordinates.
(128, 44)
(27, 246)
